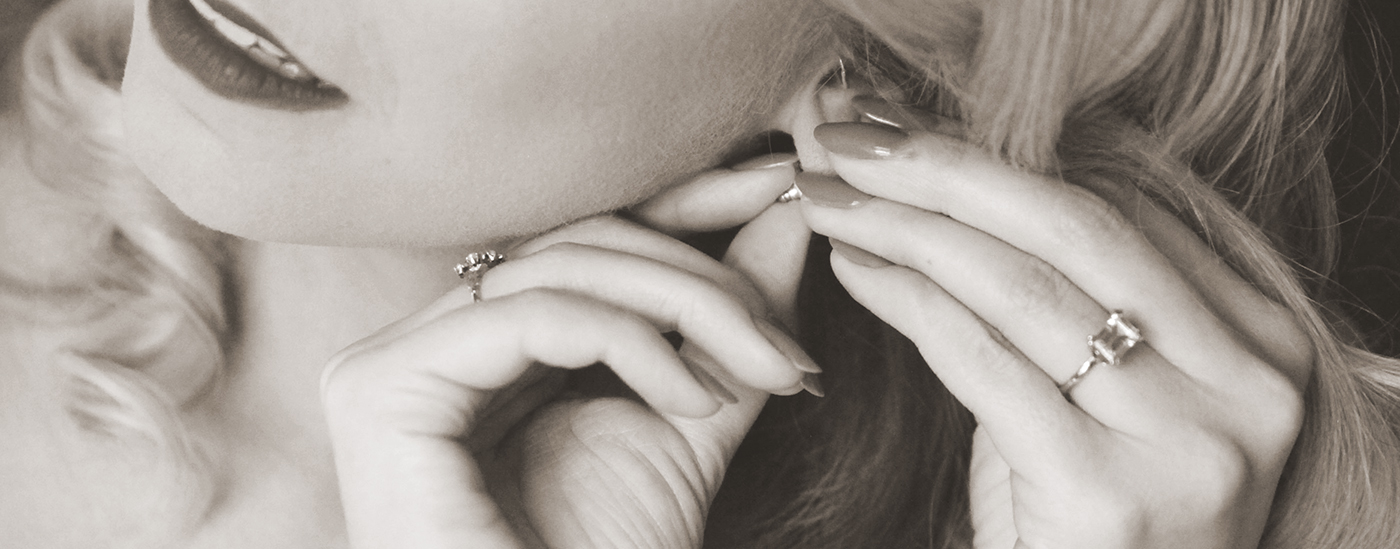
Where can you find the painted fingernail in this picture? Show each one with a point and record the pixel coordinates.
(828, 191)
(767, 161)
(883, 112)
(813, 385)
(863, 141)
(701, 365)
(714, 386)
(785, 345)
(857, 255)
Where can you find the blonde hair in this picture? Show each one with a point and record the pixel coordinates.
(127, 292)
(1217, 108)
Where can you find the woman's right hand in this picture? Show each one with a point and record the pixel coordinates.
(448, 429)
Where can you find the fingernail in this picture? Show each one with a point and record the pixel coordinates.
(812, 384)
(863, 141)
(714, 386)
(889, 114)
(785, 345)
(831, 192)
(766, 161)
(857, 255)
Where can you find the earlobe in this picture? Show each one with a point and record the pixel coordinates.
(827, 97)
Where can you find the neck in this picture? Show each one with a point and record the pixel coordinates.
(298, 306)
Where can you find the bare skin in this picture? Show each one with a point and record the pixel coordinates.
(366, 374)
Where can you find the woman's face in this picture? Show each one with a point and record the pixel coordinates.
(466, 120)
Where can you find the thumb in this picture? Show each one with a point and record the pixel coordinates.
(719, 199)
(989, 486)
(771, 251)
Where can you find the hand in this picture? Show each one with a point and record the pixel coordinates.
(999, 275)
(449, 429)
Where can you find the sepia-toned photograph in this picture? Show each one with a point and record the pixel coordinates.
(699, 274)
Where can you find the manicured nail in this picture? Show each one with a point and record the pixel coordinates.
(863, 141)
(828, 191)
(857, 255)
(889, 114)
(785, 345)
(714, 386)
(812, 384)
(766, 161)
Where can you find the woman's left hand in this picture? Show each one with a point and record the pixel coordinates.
(999, 275)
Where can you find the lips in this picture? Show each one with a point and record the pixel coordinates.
(235, 57)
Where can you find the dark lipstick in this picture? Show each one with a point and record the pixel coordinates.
(257, 70)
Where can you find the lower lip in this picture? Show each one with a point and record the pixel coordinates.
(194, 46)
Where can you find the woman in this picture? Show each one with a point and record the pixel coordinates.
(995, 179)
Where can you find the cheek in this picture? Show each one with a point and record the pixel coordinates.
(507, 133)
(462, 133)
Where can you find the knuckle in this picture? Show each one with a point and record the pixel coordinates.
(1086, 220)
(345, 380)
(1290, 344)
(630, 328)
(1111, 513)
(583, 230)
(705, 301)
(730, 281)
(1279, 409)
(562, 251)
(1220, 471)
(1123, 517)
(544, 298)
(1037, 288)
(987, 347)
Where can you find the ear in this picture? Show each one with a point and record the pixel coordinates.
(826, 98)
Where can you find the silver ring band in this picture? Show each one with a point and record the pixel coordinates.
(1078, 375)
(1108, 347)
(474, 267)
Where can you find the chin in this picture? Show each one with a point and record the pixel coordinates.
(269, 210)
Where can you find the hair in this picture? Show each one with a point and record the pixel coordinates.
(126, 291)
(1218, 109)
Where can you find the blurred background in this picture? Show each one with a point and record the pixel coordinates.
(1365, 168)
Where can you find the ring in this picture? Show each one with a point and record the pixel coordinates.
(1106, 347)
(475, 265)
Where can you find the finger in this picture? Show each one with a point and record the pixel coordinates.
(545, 326)
(1078, 233)
(624, 236)
(771, 252)
(602, 232)
(989, 492)
(1033, 426)
(395, 410)
(511, 405)
(1270, 328)
(705, 313)
(720, 199)
(904, 117)
(1035, 307)
(715, 438)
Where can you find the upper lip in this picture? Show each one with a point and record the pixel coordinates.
(229, 69)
